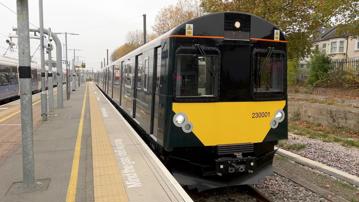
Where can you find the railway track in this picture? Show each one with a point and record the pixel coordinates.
(236, 193)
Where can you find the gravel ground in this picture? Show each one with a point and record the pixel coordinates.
(331, 154)
(279, 188)
(229, 194)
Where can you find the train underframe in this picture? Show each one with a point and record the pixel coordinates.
(213, 167)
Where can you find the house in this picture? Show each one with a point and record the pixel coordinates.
(338, 47)
(342, 49)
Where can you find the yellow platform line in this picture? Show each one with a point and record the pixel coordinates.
(15, 113)
(72, 187)
(108, 184)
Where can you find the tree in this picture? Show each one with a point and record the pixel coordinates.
(299, 19)
(292, 72)
(134, 40)
(173, 15)
(320, 65)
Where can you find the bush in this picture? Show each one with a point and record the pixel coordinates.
(292, 72)
(320, 66)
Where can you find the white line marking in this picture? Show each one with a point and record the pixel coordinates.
(128, 168)
(3, 108)
(104, 112)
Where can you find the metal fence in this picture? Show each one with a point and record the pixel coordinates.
(348, 65)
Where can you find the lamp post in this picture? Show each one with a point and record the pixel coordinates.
(68, 86)
(42, 63)
(74, 70)
(25, 92)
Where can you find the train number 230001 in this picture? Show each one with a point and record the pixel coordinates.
(257, 115)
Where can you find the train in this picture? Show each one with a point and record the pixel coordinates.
(9, 79)
(208, 96)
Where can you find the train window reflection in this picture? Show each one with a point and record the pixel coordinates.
(197, 75)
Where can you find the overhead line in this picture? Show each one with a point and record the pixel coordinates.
(4, 35)
(14, 12)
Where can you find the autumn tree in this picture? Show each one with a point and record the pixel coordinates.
(299, 19)
(173, 15)
(134, 39)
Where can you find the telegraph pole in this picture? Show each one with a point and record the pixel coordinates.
(42, 62)
(144, 29)
(25, 92)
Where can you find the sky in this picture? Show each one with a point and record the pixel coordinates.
(101, 24)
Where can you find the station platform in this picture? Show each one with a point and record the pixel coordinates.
(86, 152)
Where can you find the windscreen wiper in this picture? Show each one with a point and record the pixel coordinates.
(269, 54)
(200, 49)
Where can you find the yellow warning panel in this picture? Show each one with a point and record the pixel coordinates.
(189, 29)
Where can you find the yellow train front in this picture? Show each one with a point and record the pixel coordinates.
(228, 107)
(216, 100)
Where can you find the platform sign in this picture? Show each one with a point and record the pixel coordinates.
(276, 35)
(189, 29)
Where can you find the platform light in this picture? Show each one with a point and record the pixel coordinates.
(179, 119)
(279, 116)
(187, 127)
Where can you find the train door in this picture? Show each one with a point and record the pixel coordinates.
(155, 91)
(104, 79)
(107, 80)
(137, 81)
(112, 79)
(121, 80)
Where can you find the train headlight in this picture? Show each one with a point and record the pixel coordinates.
(279, 116)
(237, 24)
(179, 119)
(187, 127)
(274, 123)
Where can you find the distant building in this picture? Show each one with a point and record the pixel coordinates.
(342, 49)
(338, 47)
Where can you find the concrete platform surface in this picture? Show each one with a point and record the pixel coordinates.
(88, 152)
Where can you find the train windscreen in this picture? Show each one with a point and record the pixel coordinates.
(197, 73)
(268, 71)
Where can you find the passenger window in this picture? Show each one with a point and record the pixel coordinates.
(197, 72)
(139, 73)
(145, 75)
(158, 66)
(128, 75)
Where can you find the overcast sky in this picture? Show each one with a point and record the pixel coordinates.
(101, 24)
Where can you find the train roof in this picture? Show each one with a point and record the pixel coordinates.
(14, 62)
(218, 25)
(8, 61)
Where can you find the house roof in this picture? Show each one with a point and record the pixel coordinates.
(328, 33)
